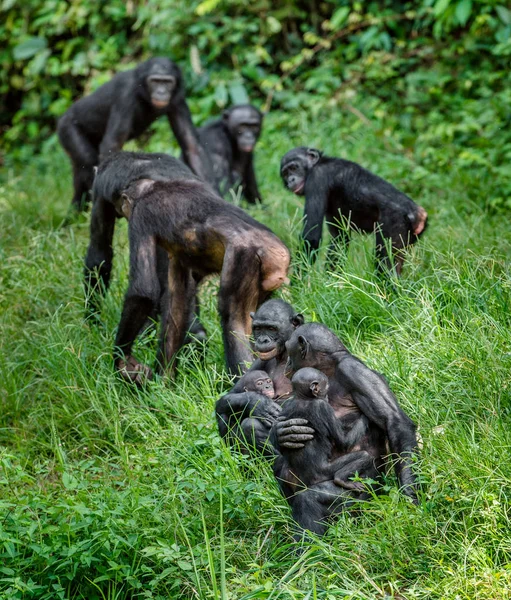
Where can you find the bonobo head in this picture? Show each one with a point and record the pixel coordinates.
(272, 325)
(313, 345)
(160, 77)
(296, 165)
(244, 123)
(258, 381)
(310, 384)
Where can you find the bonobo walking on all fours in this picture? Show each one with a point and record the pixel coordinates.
(122, 109)
(346, 193)
(202, 235)
(272, 325)
(230, 143)
(370, 418)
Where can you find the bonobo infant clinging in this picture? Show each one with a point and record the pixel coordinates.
(272, 325)
(312, 464)
(122, 109)
(202, 235)
(259, 382)
(230, 143)
(344, 191)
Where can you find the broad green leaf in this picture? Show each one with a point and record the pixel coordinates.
(29, 48)
(238, 93)
(221, 95)
(207, 6)
(462, 11)
(440, 7)
(186, 566)
(504, 14)
(339, 17)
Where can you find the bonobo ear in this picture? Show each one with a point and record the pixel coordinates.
(252, 315)
(313, 156)
(315, 388)
(126, 206)
(304, 346)
(297, 320)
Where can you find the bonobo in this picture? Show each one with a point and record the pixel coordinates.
(368, 412)
(118, 173)
(121, 110)
(202, 235)
(343, 190)
(272, 325)
(258, 381)
(230, 143)
(311, 464)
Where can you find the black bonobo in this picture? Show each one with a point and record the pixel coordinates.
(272, 325)
(311, 464)
(369, 415)
(122, 109)
(230, 143)
(344, 191)
(116, 174)
(202, 234)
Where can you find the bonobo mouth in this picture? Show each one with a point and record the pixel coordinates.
(160, 103)
(268, 355)
(298, 188)
(247, 147)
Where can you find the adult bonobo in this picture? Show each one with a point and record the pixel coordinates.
(272, 325)
(344, 191)
(370, 417)
(121, 110)
(230, 143)
(202, 234)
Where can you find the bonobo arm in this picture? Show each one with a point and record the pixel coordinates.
(118, 128)
(194, 154)
(98, 262)
(316, 200)
(373, 396)
(250, 189)
(239, 406)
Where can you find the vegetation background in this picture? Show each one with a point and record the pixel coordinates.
(112, 493)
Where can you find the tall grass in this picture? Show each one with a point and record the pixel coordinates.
(110, 492)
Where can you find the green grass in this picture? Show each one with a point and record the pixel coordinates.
(109, 492)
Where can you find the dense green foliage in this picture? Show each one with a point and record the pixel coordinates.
(109, 492)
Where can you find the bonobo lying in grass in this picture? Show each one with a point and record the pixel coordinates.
(343, 191)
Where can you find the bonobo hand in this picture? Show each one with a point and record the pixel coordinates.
(132, 371)
(293, 433)
(266, 410)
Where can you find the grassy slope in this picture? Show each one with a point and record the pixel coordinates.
(110, 492)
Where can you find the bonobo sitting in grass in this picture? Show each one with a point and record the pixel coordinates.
(343, 191)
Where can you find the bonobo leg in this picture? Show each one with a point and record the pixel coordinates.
(337, 252)
(240, 288)
(349, 465)
(98, 262)
(195, 329)
(142, 296)
(84, 156)
(176, 313)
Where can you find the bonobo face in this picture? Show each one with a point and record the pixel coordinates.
(296, 165)
(244, 123)
(161, 83)
(310, 384)
(313, 345)
(258, 381)
(273, 324)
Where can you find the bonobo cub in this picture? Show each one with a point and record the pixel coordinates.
(344, 191)
(122, 109)
(230, 143)
(313, 463)
(258, 381)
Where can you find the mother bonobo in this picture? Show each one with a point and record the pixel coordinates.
(245, 419)
(121, 110)
(370, 416)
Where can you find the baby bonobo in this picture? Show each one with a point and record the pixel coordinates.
(312, 464)
(258, 381)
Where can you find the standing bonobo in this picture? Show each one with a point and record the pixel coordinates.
(343, 190)
(370, 417)
(121, 110)
(202, 235)
(230, 143)
(272, 325)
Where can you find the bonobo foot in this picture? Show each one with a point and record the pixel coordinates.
(132, 371)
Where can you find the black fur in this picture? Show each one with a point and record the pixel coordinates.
(345, 192)
(122, 109)
(368, 415)
(230, 143)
